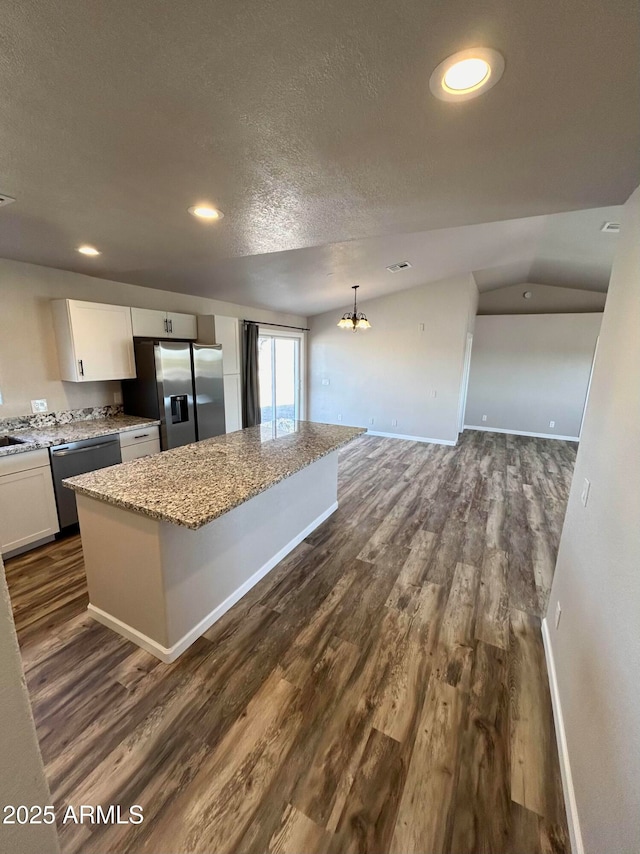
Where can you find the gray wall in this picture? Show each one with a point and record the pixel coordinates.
(22, 779)
(391, 371)
(528, 370)
(545, 299)
(597, 580)
(28, 356)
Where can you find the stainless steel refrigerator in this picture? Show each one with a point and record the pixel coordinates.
(180, 384)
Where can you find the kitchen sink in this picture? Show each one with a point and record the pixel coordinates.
(10, 440)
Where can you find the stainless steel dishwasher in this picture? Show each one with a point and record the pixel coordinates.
(75, 458)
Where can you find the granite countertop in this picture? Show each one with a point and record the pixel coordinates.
(194, 484)
(75, 431)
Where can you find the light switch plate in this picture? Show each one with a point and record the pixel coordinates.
(117, 397)
(38, 406)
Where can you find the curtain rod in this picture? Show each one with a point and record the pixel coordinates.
(280, 325)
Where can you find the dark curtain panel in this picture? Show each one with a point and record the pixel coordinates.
(250, 388)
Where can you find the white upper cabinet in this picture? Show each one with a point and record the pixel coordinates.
(95, 341)
(228, 334)
(149, 323)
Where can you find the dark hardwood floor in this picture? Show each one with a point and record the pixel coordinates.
(383, 689)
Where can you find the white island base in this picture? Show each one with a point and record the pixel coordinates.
(162, 585)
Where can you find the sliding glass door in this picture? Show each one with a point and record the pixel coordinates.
(279, 376)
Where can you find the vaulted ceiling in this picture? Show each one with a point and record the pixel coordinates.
(312, 127)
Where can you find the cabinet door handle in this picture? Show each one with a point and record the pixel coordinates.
(81, 367)
(141, 436)
(166, 325)
(171, 326)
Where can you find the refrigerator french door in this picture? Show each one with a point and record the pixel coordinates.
(177, 384)
(208, 387)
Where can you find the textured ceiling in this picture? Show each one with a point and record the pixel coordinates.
(310, 125)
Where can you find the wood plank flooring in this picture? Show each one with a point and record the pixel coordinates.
(383, 689)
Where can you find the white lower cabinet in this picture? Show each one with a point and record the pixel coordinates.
(27, 501)
(232, 402)
(139, 443)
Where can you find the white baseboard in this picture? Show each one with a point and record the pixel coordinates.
(412, 438)
(169, 654)
(522, 433)
(571, 806)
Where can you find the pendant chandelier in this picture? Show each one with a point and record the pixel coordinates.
(355, 319)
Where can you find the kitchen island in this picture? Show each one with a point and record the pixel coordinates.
(171, 542)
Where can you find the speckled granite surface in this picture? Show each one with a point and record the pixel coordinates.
(59, 416)
(74, 431)
(195, 484)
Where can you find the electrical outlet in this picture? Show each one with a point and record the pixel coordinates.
(434, 393)
(39, 406)
(339, 417)
(421, 327)
(394, 422)
(558, 614)
(371, 420)
(117, 397)
(325, 381)
(584, 497)
(484, 417)
(552, 423)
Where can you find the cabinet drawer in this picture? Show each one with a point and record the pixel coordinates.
(24, 461)
(141, 449)
(141, 434)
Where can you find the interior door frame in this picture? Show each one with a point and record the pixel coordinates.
(464, 386)
(264, 330)
(586, 398)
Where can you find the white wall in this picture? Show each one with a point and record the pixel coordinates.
(28, 356)
(597, 581)
(528, 370)
(545, 299)
(22, 780)
(392, 370)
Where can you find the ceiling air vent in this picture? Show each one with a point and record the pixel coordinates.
(610, 227)
(396, 268)
(5, 200)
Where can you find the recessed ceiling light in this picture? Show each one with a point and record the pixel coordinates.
(88, 250)
(610, 227)
(527, 294)
(205, 212)
(467, 74)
